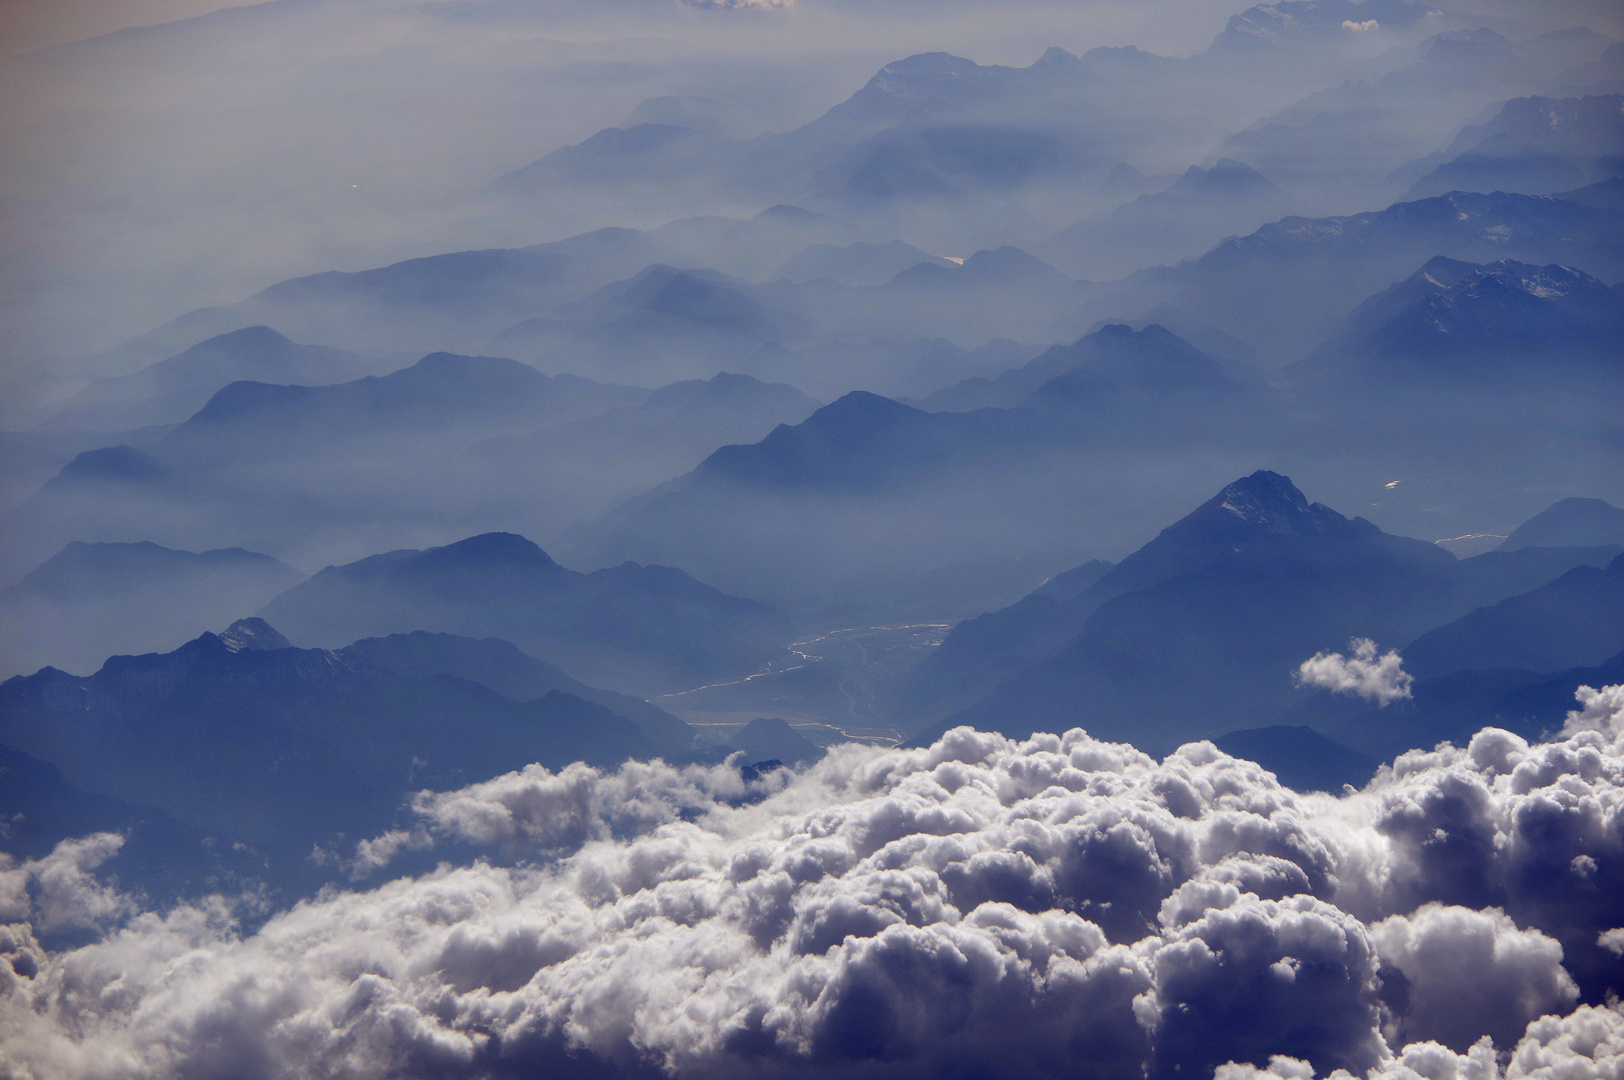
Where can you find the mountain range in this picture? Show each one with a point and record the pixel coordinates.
(1534, 145)
(1365, 135)
(636, 629)
(91, 601)
(1202, 628)
(1284, 288)
(1455, 326)
(279, 749)
(171, 390)
(1196, 211)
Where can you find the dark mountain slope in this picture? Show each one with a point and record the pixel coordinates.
(982, 652)
(643, 629)
(1575, 621)
(1455, 326)
(514, 674)
(1301, 757)
(281, 747)
(1205, 625)
(160, 858)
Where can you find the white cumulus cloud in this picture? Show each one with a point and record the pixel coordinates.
(1381, 679)
(1058, 906)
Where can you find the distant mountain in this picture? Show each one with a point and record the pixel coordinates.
(1534, 145)
(1570, 523)
(456, 301)
(1364, 138)
(1204, 625)
(639, 629)
(438, 392)
(91, 495)
(1003, 268)
(379, 452)
(173, 389)
(855, 264)
(664, 323)
(867, 483)
(1575, 621)
(1454, 326)
(605, 458)
(889, 367)
(92, 601)
(504, 668)
(862, 442)
(936, 131)
(1603, 75)
(752, 247)
(1285, 288)
(282, 748)
(1136, 364)
(1276, 26)
(1198, 210)
(646, 152)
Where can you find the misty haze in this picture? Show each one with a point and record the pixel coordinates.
(688, 539)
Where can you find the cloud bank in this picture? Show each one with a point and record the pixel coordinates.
(986, 907)
(1379, 679)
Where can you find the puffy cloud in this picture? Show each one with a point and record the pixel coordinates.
(1599, 710)
(1058, 906)
(1366, 27)
(60, 891)
(1379, 679)
(1461, 974)
(1587, 1045)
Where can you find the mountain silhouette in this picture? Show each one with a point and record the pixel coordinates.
(1285, 287)
(172, 390)
(639, 629)
(91, 601)
(1456, 325)
(1570, 523)
(282, 748)
(1206, 623)
(440, 391)
(1575, 621)
(1534, 145)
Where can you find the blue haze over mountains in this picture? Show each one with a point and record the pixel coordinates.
(643, 444)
